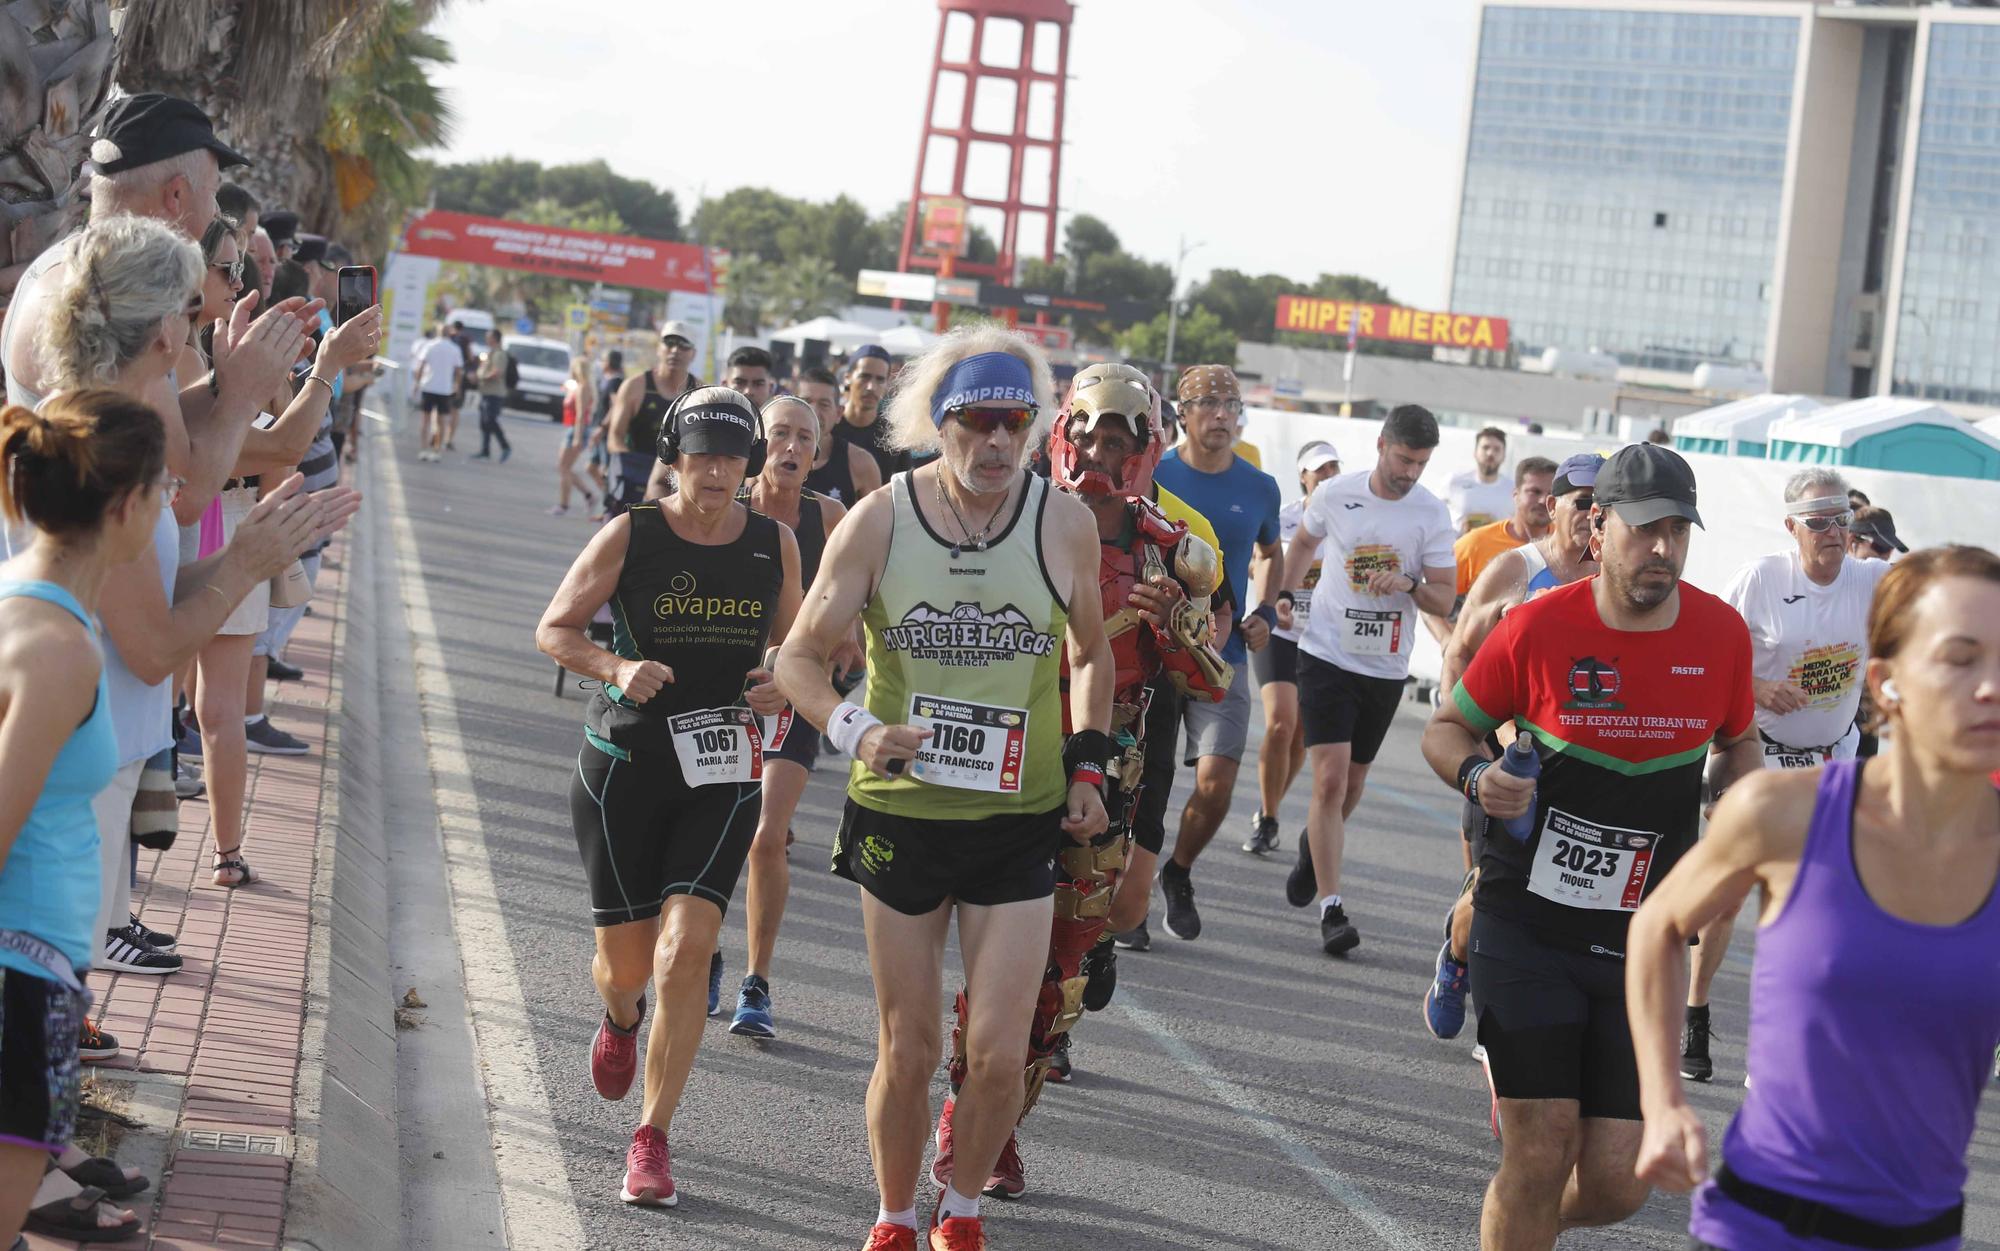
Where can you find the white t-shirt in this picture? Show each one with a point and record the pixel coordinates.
(1362, 633)
(1288, 525)
(436, 358)
(1813, 636)
(1476, 503)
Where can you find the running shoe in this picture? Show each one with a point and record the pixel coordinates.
(753, 1009)
(958, 1233)
(1010, 1176)
(1263, 835)
(126, 952)
(1138, 938)
(1059, 1065)
(715, 983)
(1444, 1002)
(1100, 970)
(282, 672)
(1301, 884)
(1183, 918)
(158, 940)
(506, 453)
(1337, 935)
(187, 781)
(261, 736)
(941, 1162)
(614, 1056)
(1695, 1064)
(889, 1236)
(649, 1170)
(95, 1044)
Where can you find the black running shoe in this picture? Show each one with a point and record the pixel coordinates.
(1337, 935)
(1059, 1065)
(125, 952)
(1695, 1064)
(1302, 884)
(1138, 938)
(1100, 971)
(282, 672)
(159, 940)
(1183, 918)
(1263, 835)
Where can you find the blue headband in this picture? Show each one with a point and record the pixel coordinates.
(983, 379)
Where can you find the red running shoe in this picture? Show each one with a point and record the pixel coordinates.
(941, 1163)
(1010, 1176)
(614, 1056)
(958, 1233)
(889, 1236)
(649, 1170)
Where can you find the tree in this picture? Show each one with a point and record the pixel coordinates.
(57, 73)
(1200, 338)
(1087, 235)
(806, 287)
(747, 285)
(503, 186)
(380, 109)
(750, 221)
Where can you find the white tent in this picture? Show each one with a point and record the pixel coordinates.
(838, 334)
(908, 340)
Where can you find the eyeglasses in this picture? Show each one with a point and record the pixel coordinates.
(233, 270)
(1215, 403)
(1820, 525)
(985, 421)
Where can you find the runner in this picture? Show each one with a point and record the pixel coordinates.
(666, 793)
(1874, 1011)
(748, 373)
(1241, 501)
(1476, 548)
(632, 427)
(1276, 666)
(1392, 540)
(1807, 609)
(963, 787)
(1479, 496)
(1556, 559)
(1873, 534)
(791, 747)
(861, 423)
(842, 471)
(1154, 580)
(435, 380)
(1624, 682)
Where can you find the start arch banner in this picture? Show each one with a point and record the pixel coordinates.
(579, 255)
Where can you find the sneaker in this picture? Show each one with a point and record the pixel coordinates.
(1100, 970)
(889, 1236)
(1010, 1176)
(1059, 1065)
(941, 1161)
(261, 736)
(1137, 938)
(753, 1009)
(614, 1056)
(126, 953)
(187, 782)
(1302, 884)
(1263, 835)
(1337, 935)
(1183, 918)
(715, 983)
(1444, 1002)
(505, 452)
(480, 456)
(282, 672)
(94, 1044)
(649, 1170)
(1695, 1064)
(559, 511)
(158, 940)
(958, 1233)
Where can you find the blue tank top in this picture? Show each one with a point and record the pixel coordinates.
(49, 880)
(1871, 1038)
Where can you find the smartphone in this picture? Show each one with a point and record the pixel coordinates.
(357, 292)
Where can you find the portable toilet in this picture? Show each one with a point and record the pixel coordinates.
(1888, 432)
(1738, 427)
(1990, 425)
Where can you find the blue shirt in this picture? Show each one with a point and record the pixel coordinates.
(1241, 503)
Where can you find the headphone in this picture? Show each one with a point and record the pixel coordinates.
(670, 435)
(1889, 690)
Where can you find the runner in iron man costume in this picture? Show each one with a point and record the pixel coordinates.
(1156, 580)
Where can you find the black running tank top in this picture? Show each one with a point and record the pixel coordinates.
(643, 435)
(810, 532)
(836, 477)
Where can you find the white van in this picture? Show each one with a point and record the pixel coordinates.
(542, 365)
(476, 321)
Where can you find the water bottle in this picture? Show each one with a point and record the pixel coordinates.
(1522, 761)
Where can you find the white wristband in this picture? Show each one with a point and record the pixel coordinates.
(846, 726)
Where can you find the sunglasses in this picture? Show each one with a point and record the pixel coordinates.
(1820, 525)
(1580, 500)
(233, 270)
(986, 420)
(677, 345)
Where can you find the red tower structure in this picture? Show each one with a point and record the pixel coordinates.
(1000, 75)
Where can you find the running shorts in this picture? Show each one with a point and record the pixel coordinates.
(645, 835)
(1219, 727)
(439, 404)
(1553, 1021)
(801, 745)
(1278, 662)
(913, 865)
(41, 1078)
(1156, 780)
(1336, 706)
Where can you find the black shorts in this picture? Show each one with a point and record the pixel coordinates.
(644, 835)
(801, 745)
(1472, 827)
(436, 403)
(41, 1079)
(1553, 1021)
(1163, 727)
(914, 865)
(1278, 662)
(1336, 706)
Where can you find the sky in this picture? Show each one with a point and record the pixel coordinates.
(1287, 136)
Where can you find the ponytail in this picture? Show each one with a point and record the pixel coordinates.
(63, 468)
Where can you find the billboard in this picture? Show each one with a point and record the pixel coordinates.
(579, 255)
(1391, 322)
(945, 225)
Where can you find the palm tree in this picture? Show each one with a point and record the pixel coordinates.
(746, 293)
(809, 287)
(381, 108)
(55, 71)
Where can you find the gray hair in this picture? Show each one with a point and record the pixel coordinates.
(110, 193)
(909, 413)
(1813, 483)
(122, 275)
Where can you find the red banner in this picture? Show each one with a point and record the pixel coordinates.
(1316, 315)
(579, 255)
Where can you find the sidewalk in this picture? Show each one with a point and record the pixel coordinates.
(210, 1056)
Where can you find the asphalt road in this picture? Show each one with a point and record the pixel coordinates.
(1243, 1091)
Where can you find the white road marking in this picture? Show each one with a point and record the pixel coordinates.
(534, 1184)
(1240, 1101)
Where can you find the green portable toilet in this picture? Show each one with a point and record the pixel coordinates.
(1738, 428)
(1888, 432)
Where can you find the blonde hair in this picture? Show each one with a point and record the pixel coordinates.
(586, 389)
(122, 275)
(909, 409)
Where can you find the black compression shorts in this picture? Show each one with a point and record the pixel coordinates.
(1278, 662)
(1336, 706)
(644, 835)
(1553, 1021)
(1163, 727)
(913, 865)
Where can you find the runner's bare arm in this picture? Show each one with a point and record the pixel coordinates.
(862, 471)
(763, 696)
(1093, 674)
(587, 587)
(660, 481)
(1734, 759)
(849, 570)
(1256, 632)
(1450, 738)
(1498, 588)
(1298, 559)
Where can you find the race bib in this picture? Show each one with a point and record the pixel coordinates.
(1581, 864)
(1302, 600)
(776, 729)
(974, 747)
(1779, 756)
(1371, 633)
(718, 745)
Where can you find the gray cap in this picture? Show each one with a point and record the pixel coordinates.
(1643, 482)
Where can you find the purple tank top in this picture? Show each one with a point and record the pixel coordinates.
(1871, 1038)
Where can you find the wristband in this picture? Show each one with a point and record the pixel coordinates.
(1415, 582)
(323, 382)
(1090, 773)
(1266, 614)
(846, 726)
(1087, 749)
(1469, 770)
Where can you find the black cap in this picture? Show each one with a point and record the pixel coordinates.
(309, 248)
(1643, 482)
(282, 226)
(148, 127)
(716, 420)
(1878, 527)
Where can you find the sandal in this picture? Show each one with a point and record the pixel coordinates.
(75, 1218)
(106, 1174)
(231, 869)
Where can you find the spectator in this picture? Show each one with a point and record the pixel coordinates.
(434, 377)
(1856, 499)
(492, 375)
(266, 257)
(234, 201)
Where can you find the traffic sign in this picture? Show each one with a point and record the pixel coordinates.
(524, 325)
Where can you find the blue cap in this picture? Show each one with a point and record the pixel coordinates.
(1578, 471)
(870, 351)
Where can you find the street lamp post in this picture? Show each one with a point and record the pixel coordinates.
(1923, 378)
(1174, 305)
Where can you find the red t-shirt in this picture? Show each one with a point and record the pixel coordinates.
(1622, 721)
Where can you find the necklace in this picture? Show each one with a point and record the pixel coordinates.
(974, 540)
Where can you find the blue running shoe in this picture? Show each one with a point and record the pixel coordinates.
(753, 1009)
(1444, 1002)
(715, 983)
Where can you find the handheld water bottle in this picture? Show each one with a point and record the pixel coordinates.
(1521, 761)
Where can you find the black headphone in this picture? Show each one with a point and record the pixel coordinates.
(670, 431)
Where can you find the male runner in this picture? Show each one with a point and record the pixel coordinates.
(748, 373)
(963, 786)
(842, 472)
(1625, 681)
(861, 423)
(1391, 540)
(1241, 501)
(1476, 548)
(633, 427)
(1807, 609)
(1479, 496)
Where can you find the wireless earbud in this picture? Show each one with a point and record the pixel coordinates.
(1889, 690)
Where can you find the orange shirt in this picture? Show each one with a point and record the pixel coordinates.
(1476, 549)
